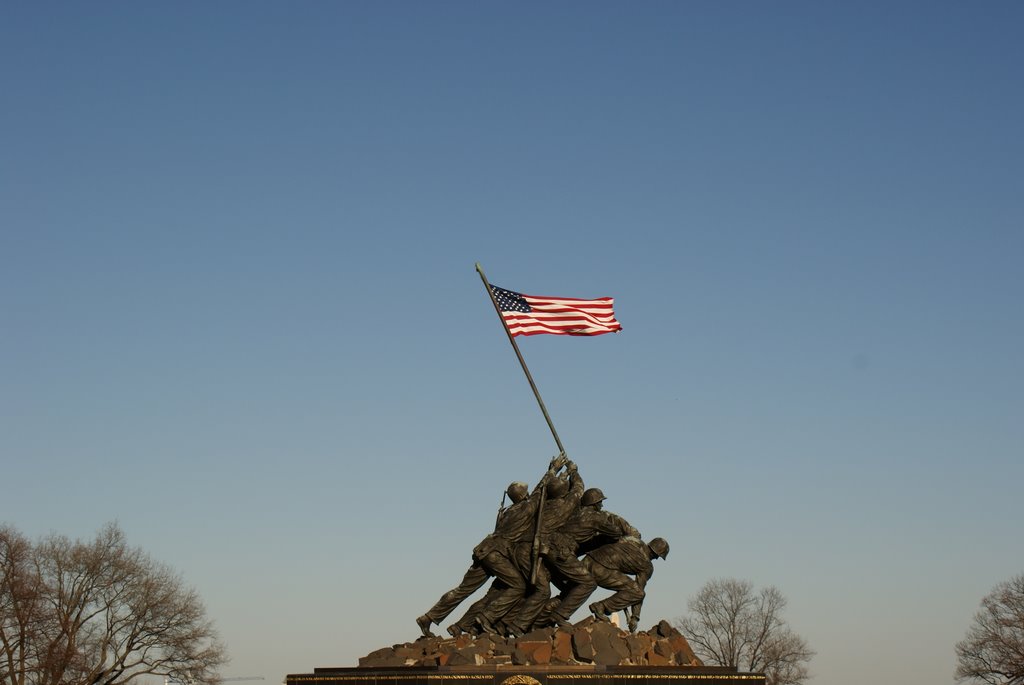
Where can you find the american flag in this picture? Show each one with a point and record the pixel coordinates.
(530, 315)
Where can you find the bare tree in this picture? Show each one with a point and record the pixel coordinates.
(993, 649)
(731, 625)
(22, 611)
(98, 613)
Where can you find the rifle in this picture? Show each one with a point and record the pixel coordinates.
(501, 510)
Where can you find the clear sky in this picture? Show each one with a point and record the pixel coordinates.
(240, 316)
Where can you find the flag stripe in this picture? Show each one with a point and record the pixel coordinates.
(554, 318)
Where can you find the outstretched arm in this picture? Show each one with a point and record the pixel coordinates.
(618, 527)
(633, 616)
(575, 482)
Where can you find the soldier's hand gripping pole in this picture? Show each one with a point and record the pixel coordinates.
(556, 464)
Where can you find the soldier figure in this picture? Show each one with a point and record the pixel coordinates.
(492, 557)
(483, 615)
(563, 498)
(609, 566)
(588, 524)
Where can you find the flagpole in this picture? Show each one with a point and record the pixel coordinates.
(522, 362)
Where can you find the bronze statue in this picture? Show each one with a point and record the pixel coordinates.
(537, 541)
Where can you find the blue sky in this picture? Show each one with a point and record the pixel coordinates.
(240, 314)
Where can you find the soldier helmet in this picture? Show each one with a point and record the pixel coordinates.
(517, 491)
(556, 488)
(592, 496)
(659, 546)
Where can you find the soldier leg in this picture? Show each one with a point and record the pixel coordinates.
(628, 591)
(511, 582)
(468, 620)
(474, 578)
(581, 585)
(536, 595)
(547, 614)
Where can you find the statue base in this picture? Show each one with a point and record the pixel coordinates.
(588, 653)
(528, 675)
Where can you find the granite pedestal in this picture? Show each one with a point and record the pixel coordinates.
(528, 675)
